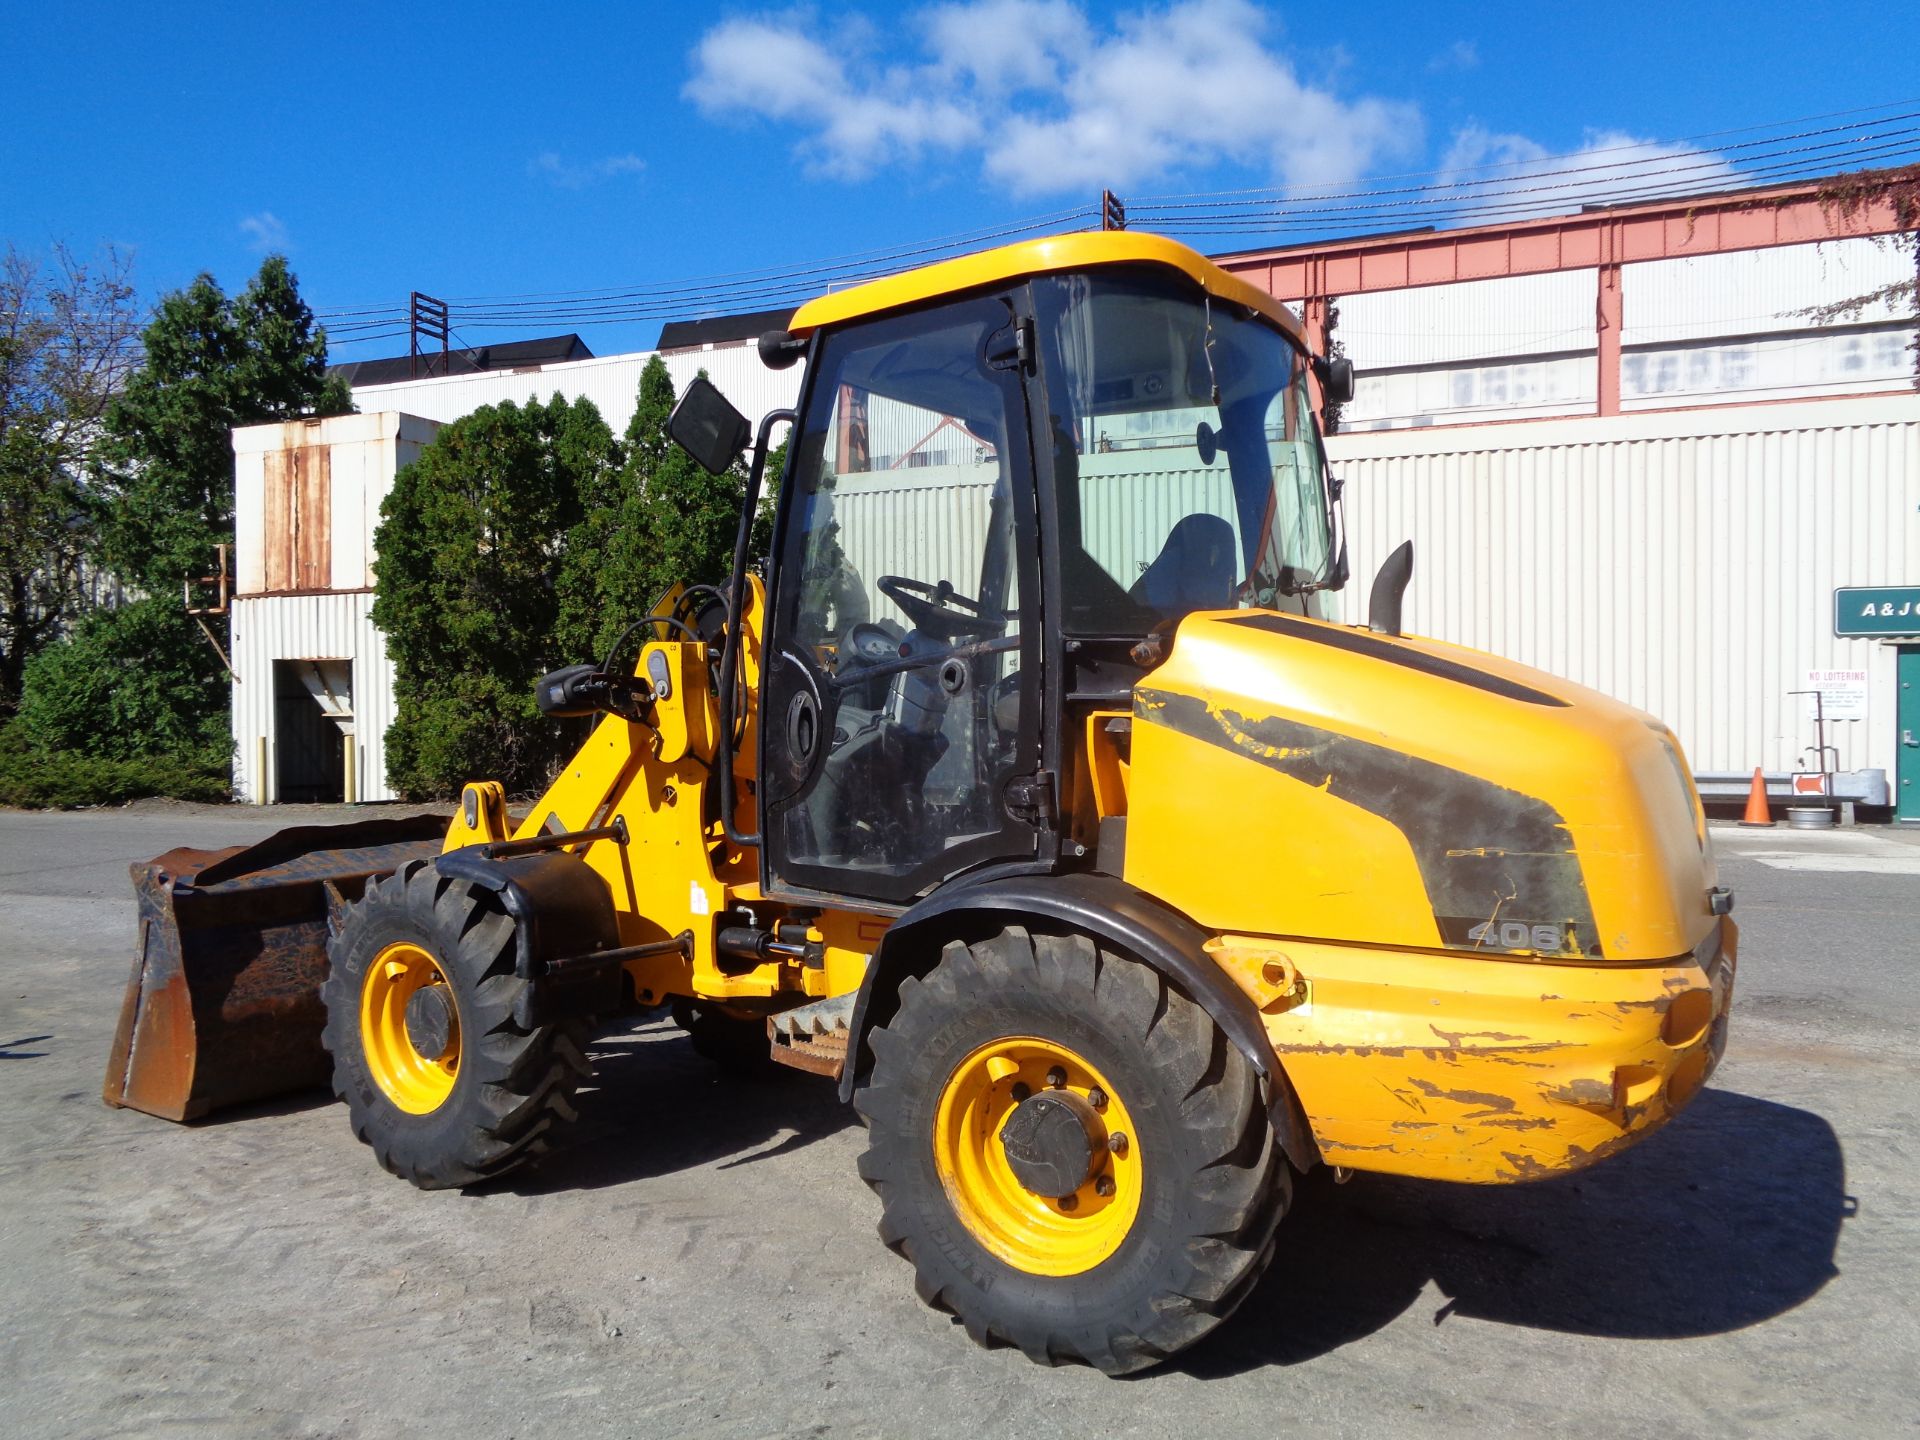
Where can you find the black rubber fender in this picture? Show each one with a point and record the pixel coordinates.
(1102, 906)
(561, 909)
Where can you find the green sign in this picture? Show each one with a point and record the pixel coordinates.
(1877, 610)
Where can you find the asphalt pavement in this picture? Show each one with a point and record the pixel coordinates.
(701, 1260)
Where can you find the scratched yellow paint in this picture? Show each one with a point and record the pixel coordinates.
(1477, 1069)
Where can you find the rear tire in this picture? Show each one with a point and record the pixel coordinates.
(499, 1093)
(1119, 1277)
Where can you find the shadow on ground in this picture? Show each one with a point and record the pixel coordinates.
(655, 1106)
(1727, 1217)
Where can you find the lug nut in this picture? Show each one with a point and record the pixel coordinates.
(1117, 1143)
(1097, 1098)
(1069, 1202)
(1056, 1077)
(1103, 1187)
(1020, 1090)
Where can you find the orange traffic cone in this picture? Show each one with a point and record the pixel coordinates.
(1758, 812)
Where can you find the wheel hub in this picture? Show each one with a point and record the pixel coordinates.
(1028, 1143)
(1054, 1142)
(430, 1021)
(410, 1027)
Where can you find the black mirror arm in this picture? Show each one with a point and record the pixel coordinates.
(736, 610)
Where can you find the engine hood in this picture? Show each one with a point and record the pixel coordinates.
(1295, 777)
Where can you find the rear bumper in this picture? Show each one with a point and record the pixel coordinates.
(1489, 1071)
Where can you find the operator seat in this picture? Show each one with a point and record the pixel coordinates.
(1196, 569)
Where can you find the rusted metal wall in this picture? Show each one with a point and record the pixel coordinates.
(297, 538)
(1683, 561)
(307, 498)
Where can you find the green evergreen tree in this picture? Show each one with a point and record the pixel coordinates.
(657, 521)
(525, 538)
(210, 363)
(477, 565)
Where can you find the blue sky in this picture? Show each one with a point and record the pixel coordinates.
(488, 150)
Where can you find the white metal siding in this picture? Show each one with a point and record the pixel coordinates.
(1780, 367)
(1682, 562)
(1470, 320)
(1755, 292)
(928, 523)
(1455, 394)
(309, 627)
(611, 382)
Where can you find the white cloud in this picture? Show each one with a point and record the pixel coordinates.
(1001, 46)
(776, 68)
(556, 170)
(1608, 165)
(266, 233)
(1460, 55)
(1051, 100)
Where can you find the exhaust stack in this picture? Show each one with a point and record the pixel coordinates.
(1389, 588)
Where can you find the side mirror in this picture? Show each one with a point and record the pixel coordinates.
(778, 349)
(1336, 379)
(706, 426)
(571, 692)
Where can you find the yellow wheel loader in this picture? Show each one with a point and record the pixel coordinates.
(1025, 791)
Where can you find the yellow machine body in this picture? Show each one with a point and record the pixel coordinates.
(1322, 801)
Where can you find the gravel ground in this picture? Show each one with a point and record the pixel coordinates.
(702, 1260)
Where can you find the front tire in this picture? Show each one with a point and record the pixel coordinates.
(436, 1074)
(997, 1090)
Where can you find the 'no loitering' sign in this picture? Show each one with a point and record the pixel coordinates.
(1877, 610)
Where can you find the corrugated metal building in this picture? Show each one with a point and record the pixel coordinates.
(312, 688)
(1683, 561)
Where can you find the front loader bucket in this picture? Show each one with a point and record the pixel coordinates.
(224, 1004)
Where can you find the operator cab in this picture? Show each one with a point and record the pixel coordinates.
(986, 488)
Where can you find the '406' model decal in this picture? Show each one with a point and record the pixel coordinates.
(1540, 936)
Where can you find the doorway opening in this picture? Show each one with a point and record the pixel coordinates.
(312, 717)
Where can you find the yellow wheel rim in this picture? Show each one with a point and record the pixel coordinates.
(417, 1083)
(1035, 1233)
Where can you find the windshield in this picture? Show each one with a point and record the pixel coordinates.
(1186, 458)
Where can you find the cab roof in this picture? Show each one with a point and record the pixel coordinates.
(1049, 256)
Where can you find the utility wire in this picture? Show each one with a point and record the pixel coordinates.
(1515, 202)
(1680, 142)
(1540, 185)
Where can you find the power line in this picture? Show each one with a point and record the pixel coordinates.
(1568, 155)
(1513, 204)
(1625, 171)
(1472, 194)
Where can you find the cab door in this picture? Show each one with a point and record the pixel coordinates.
(901, 695)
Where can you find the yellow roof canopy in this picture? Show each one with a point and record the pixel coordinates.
(1052, 255)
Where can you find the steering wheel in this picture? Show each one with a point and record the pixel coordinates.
(938, 610)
